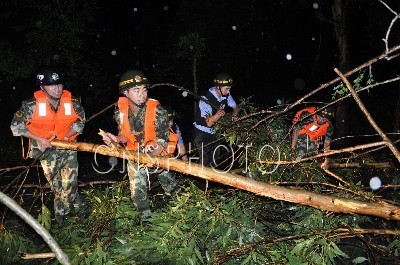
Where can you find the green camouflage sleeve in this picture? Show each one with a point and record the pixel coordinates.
(18, 123)
(80, 123)
(117, 119)
(329, 133)
(162, 128)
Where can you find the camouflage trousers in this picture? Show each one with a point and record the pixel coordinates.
(139, 183)
(61, 171)
(305, 147)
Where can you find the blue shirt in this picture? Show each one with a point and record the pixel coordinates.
(178, 132)
(206, 109)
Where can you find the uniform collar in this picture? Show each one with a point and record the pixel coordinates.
(213, 91)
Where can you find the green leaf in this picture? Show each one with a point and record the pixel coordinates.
(298, 248)
(173, 233)
(338, 251)
(198, 254)
(359, 260)
(97, 199)
(45, 217)
(254, 256)
(164, 224)
(293, 260)
(246, 260)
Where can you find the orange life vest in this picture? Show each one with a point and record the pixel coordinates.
(313, 129)
(47, 123)
(310, 110)
(150, 136)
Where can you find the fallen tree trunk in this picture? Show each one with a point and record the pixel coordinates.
(322, 202)
(58, 253)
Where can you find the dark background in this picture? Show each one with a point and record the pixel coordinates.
(249, 39)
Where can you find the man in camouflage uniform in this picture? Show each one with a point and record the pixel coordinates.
(312, 132)
(53, 114)
(143, 127)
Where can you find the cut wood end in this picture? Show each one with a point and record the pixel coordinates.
(39, 255)
(102, 133)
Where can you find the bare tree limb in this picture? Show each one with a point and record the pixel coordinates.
(297, 102)
(386, 139)
(19, 167)
(397, 16)
(197, 97)
(337, 177)
(328, 153)
(367, 64)
(96, 182)
(100, 112)
(332, 233)
(361, 165)
(10, 203)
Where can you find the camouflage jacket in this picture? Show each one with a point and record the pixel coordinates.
(25, 112)
(137, 124)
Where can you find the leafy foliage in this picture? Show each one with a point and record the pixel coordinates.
(228, 226)
(12, 244)
(268, 141)
(44, 217)
(223, 226)
(191, 46)
(341, 90)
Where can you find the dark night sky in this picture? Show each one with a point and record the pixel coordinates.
(138, 31)
(273, 49)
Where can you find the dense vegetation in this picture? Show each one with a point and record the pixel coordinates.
(222, 225)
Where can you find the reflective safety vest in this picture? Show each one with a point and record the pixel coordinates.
(47, 123)
(150, 136)
(213, 102)
(313, 129)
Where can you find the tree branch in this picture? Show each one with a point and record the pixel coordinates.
(386, 139)
(397, 16)
(297, 102)
(10, 203)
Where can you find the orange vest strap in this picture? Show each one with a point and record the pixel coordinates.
(123, 105)
(150, 121)
(310, 110)
(172, 142)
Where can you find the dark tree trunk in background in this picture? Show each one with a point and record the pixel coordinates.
(339, 12)
(395, 39)
(195, 89)
(396, 123)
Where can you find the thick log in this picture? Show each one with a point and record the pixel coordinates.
(319, 201)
